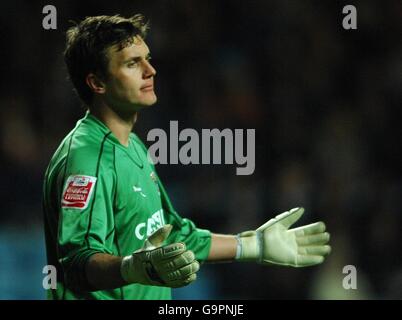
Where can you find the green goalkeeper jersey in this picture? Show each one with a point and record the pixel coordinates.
(102, 197)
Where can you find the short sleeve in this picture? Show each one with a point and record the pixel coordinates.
(86, 214)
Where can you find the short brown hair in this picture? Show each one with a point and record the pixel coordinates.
(87, 43)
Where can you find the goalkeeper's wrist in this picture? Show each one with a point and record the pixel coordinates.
(238, 248)
(248, 246)
(126, 268)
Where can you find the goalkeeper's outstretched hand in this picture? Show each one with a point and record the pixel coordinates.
(275, 243)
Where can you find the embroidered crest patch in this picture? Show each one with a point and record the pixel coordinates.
(78, 191)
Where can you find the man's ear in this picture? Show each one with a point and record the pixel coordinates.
(95, 83)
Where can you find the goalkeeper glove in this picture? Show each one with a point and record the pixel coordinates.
(275, 243)
(169, 266)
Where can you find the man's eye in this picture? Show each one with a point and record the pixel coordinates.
(132, 64)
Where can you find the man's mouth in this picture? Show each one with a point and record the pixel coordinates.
(149, 87)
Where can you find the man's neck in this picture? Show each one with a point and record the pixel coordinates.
(120, 125)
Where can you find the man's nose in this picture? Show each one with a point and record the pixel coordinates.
(149, 70)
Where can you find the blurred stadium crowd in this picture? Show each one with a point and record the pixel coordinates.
(325, 103)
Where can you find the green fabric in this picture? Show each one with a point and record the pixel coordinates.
(127, 203)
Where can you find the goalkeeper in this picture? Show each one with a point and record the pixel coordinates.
(111, 230)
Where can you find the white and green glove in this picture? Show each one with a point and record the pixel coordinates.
(168, 266)
(275, 243)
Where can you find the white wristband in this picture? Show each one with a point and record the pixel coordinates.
(248, 246)
(239, 248)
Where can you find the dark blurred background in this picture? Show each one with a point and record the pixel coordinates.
(325, 103)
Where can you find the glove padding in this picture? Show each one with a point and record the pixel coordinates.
(168, 266)
(275, 243)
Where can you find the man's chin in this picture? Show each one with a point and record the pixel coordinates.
(149, 102)
(138, 106)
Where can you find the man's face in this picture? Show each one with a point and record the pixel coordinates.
(130, 79)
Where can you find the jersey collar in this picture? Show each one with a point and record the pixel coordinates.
(90, 117)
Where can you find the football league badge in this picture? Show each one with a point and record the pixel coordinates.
(155, 179)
